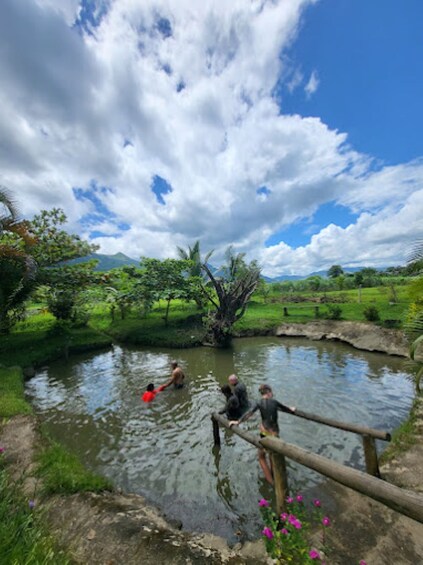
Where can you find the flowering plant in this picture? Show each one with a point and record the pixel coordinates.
(287, 536)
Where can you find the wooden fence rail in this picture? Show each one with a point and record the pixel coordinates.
(403, 501)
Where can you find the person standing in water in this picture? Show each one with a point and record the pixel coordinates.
(268, 407)
(231, 408)
(177, 377)
(240, 391)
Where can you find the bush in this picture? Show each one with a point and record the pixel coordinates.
(334, 312)
(371, 313)
(392, 323)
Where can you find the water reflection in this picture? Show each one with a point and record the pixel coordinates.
(164, 451)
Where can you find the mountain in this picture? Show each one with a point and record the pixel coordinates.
(107, 262)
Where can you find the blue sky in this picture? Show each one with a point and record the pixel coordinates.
(290, 129)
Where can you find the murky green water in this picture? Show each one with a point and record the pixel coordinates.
(164, 450)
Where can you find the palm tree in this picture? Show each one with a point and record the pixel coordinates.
(193, 254)
(17, 267)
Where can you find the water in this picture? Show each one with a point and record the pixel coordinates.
(164, 450)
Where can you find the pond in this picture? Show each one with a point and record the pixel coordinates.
(164, 450)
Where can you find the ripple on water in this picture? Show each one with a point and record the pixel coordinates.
(164, 449)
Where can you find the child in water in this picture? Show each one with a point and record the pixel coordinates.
(150, 393)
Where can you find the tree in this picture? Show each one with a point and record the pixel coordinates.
(335, 271)
(164, 280)
(18, 268)
(193, 255)
(232, 292)
(414, 323)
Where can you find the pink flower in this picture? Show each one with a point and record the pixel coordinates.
(284, 531)
(299, 497)
(297, 524)
(314, 554)
(1, 449)
(267, 532)
(316, 502)
(362, 562)
(289, 499)
(326, 521)
(291, 518)
(263, 502)
(284, 516)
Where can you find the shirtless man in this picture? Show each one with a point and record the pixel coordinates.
(177, 378)
(269, 408)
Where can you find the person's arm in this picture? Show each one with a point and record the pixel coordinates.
(172, 380)
(283, 408)
(244, 417)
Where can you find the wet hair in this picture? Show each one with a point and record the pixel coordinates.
(226, 389)
(174, 363)
(264, 389)
(150, 387)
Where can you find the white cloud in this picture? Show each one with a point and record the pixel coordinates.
(183, 90)
(312, 84)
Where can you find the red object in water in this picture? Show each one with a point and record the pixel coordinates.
(149, 395)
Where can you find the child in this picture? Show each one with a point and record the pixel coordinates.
(150, 394)
(268, 407)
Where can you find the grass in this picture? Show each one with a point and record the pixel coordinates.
(406, 435)
(62, 473)
(23, 537)
(12, 401)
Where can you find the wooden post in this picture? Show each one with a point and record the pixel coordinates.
(216, 435)
(280, 477)
(285, 311)
(370, 455)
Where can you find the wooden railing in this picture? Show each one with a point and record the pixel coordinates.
(406, 502)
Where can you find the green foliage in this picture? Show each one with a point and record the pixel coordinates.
(334, 312)
(12, 400)
(287, 537)
(335, 271)
(63, 473)
(23, 537)
(371, 313)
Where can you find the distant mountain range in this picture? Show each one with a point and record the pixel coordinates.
(107, 262)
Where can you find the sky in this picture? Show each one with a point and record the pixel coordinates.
(290, 129)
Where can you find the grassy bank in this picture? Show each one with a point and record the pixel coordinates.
(406, 435)
(24, 537)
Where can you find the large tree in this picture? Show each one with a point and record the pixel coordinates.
(232, 291)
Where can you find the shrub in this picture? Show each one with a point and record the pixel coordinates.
(371, 313)
(334, 312)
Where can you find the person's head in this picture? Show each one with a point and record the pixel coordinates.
(226, 389)
(265, 389)
(150, 387)
(233, 380)
(174, 364)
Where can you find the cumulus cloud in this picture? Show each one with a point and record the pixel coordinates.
(106, 100)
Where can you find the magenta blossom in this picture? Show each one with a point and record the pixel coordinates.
(326, 521)
(299, 497)
(316, 502)
(362, 562)
(291, 518)
(284, 531)
(289, 499)
(314, 554)
(267, 532)
(1, 449)
(284, 516)
(263, 502)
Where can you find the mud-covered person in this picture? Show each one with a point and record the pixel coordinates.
(269, 408)
(240, 391)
